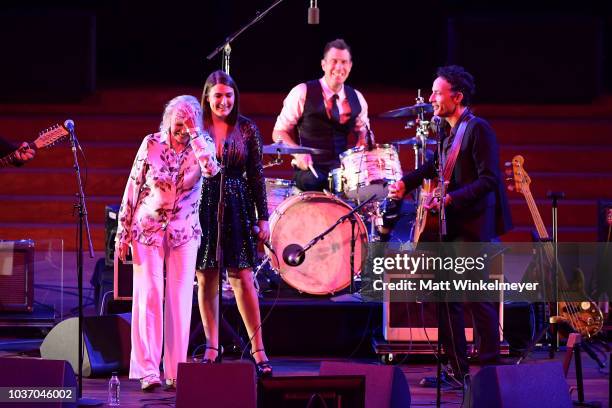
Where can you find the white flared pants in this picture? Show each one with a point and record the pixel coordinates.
(154, 322)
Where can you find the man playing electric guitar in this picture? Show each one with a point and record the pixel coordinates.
(475, 203)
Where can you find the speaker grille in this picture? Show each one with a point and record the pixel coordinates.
(17, 276)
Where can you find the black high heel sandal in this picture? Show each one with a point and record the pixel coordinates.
(263, 368)
(217, 359)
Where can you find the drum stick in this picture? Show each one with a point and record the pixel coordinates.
(313, 170)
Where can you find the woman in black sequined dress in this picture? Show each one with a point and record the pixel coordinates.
(239, 146)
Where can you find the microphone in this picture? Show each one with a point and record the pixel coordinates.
(293, 255)
(437, 125)
(69, 125)
(313, 12)
(266, 243)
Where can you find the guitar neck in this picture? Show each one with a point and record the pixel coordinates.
(8, 160)
(535, 214)
(542, 233)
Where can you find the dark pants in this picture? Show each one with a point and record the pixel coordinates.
(452, 330)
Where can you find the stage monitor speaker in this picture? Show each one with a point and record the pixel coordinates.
(225, 385)
(385, 386)
(34, 372)
(122, 272)
(539, 385)
(312, 391)
(17, 276)
(106, 344)
(539, 59)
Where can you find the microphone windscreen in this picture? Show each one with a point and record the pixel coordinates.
(313, 15)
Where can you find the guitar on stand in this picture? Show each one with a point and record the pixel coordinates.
(46, 138)
(584, 317)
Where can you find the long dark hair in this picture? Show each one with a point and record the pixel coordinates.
(220, 77)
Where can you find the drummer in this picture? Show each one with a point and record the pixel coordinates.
(321, 114)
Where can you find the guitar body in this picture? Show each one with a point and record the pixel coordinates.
(426, 224)
(584, 317)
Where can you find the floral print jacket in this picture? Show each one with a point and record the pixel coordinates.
(162, 195)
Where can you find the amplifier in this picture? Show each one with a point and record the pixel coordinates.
(17, 275)
(418, 322)
(122, 271)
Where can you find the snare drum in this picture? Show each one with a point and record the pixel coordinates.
(367, 172)
(277, 190)
(326, 267)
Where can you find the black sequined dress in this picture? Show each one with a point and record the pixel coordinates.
(244, 204)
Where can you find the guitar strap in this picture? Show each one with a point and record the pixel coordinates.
(451, 157)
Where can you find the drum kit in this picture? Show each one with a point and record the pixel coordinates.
(297, 217)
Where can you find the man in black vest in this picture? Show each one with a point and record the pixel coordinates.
(476, 204)
(321, 114)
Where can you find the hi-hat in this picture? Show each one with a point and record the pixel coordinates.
(408, 111)
(413, 141)
(282, 148)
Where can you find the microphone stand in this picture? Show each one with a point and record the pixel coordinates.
(225, 46)
(441, 235)
(82, 219)
(219, 249)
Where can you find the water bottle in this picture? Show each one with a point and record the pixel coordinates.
(114, 386)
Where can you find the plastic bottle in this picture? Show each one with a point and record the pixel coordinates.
(114, 387)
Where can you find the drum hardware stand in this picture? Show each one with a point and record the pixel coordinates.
(420, 148)
(225, 46)
(278, 160)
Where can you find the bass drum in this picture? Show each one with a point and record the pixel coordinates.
(326, 268)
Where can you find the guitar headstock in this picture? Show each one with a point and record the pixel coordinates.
(517, 176)
(50, 136)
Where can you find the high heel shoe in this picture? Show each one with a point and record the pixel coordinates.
(263, 368)
(217, 359)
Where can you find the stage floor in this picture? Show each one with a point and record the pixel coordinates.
(596, 381)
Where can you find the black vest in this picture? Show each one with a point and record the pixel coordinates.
(316, 130)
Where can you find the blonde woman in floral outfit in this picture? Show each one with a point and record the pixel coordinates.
(159, 220)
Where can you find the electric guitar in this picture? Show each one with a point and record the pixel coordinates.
(584, 317)
(46, 138)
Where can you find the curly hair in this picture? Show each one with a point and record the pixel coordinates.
(460, 80)
(177, 103)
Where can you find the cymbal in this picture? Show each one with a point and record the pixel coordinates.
(408, 111)
(413, 141)
(282, 148)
